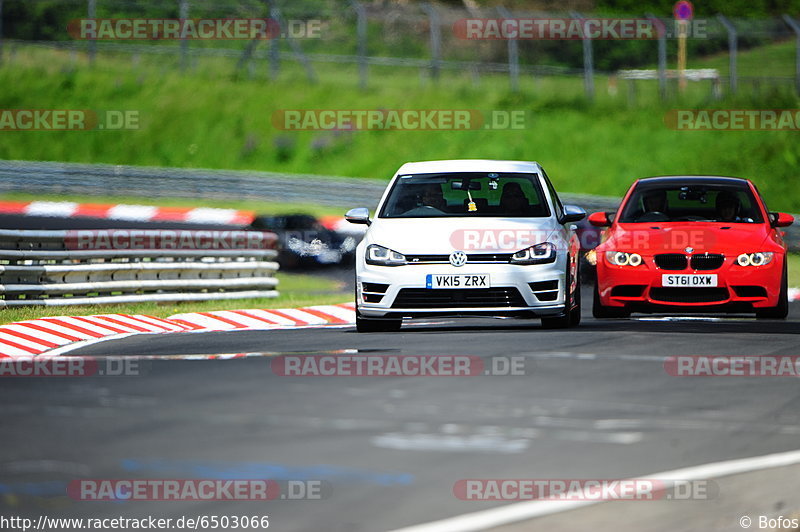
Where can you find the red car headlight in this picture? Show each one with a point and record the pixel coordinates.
(762, 258)
(621, 258)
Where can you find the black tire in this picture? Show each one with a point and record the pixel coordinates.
(601, 311)
(781, 310)
(572, 312)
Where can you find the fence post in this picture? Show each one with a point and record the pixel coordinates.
(513, 53)
(732, 50)
(662, 56)
(274, 55)
(588, 60)
(91, 9)
(1, 31)
(361, 34)
(436, 38)
(298, 52)
(183, 15)
(796, 28)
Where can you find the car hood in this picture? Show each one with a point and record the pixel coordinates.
(702, 237)
(428, 236)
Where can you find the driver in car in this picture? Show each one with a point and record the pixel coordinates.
(655, 205)
(513, 200)
(728, 206)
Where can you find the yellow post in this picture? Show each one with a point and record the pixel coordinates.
(682, 32)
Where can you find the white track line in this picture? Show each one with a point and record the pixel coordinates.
(522, 511)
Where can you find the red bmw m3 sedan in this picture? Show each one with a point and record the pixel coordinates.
(692, 243)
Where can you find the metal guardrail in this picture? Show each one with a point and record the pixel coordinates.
(117, 180)
(42, 268)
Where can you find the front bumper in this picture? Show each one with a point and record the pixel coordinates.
(738, 288)
(400, 291)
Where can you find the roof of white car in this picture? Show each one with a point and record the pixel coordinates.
(468, 165)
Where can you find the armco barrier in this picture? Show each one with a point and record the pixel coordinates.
(56, 268)
(117, 180)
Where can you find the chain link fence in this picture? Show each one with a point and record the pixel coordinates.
(368, 39)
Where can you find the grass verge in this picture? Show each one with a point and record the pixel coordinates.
(794, 270)
(211, 117)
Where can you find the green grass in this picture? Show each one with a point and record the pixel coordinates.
(295, 291)
(776, 60)
(210, 118)
(794, 270)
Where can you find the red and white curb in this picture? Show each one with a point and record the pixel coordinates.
(57, 335)
(35, 337)
(132, 213)
(794, 294)
(225, 320)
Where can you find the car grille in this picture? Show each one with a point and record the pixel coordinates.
(545, 290)
(750, 291)
(471, 257)
(373, 292)
(671, 261)
(688, 295)
(458, 298)
(707, 261)
(628, 290)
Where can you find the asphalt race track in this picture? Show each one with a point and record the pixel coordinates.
(593, 402)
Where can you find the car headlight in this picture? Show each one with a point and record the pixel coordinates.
(539, 254)
(762, 258)
(620, 258)
(381, 256)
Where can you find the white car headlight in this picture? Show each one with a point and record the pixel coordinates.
(620, 258)
(381, 256)
(543, 253)
(761, 258)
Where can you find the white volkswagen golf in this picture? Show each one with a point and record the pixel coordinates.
(468, 238)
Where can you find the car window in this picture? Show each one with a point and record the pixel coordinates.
(696, 202)
(472, 194)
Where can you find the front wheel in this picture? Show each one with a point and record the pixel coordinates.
(571, 317)
(781, 310)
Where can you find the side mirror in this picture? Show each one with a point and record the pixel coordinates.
(572, 213)
(780, 219)
(359, 215)
(601, 219)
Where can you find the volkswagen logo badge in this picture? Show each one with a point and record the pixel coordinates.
(689, 250)
(458, 258)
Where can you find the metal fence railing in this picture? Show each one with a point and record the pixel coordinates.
(53, 268)
(412, 35)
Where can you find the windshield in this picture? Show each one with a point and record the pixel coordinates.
(466, 194)
(691, 203)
